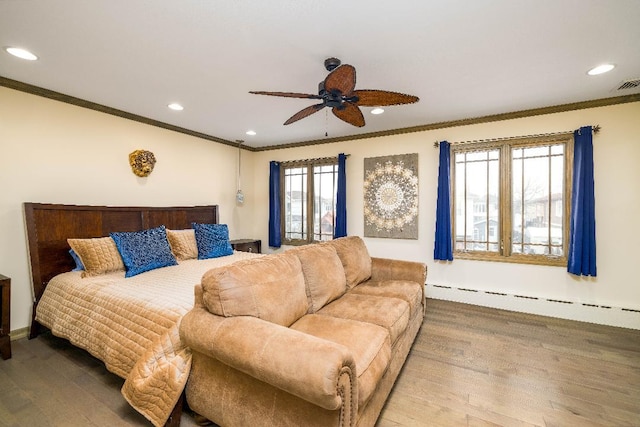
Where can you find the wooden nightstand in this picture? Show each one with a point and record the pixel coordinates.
(247, 245)
(5, 317)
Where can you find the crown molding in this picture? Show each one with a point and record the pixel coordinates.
(470, 121)
(57, 96)
(46, 93)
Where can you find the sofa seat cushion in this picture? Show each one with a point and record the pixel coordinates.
(410, 292)
(270, 288)
(368, 343)
(390, 313)
(323, 274)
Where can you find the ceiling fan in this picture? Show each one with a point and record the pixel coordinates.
(337, 92)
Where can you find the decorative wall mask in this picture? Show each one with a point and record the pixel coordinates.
(142, 162)
(391, 196)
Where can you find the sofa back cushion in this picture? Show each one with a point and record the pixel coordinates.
(270, 288)
(323, 274)
(355, 259)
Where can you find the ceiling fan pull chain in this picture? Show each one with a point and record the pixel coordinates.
(326, 123)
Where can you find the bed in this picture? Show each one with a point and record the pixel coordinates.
(130, 324)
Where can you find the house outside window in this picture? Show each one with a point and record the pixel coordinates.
(511, 199)
(309, 190)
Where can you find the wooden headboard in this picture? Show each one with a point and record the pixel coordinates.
(50, 225)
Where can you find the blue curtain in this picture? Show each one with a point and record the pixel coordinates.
(340, 229)
(275, 233)
(582, 230)
(443, 249)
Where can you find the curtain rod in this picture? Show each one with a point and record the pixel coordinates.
(436, 144)
(317, 159)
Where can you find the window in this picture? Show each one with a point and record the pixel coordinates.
(511, 199)
(309, 190)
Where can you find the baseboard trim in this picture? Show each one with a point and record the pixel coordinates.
(19, 334)
(564, 309)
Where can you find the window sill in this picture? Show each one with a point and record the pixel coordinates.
(514, 259)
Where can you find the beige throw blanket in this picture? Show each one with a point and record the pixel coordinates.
(132, 326)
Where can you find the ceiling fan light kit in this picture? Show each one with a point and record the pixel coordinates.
(338, 92)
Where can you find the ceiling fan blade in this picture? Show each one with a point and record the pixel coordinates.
(287, 94)
(350, 114)
(342, 79)
(378, 98)
(304, 113)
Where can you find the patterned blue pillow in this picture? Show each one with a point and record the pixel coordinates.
(212, 240)
(144, 250)
(77, 260)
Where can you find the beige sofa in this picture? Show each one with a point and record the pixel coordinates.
(313, 336)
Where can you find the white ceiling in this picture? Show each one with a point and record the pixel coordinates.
(464, 59)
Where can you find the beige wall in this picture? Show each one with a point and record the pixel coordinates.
(53, 152)
(58, 153)
(617, 174)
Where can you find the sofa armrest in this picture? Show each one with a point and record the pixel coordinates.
(314, 369)
(392, 269)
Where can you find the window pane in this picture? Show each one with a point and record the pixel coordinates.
(473, 156)
(538, 200)
(309, 199)
(295, 183)
(516, 153)
(535, 202)
(557, 199)
(325, 189)
(536, 151)
(477, 198)
(493, 202)
(460, 202)
(517, 226)
(477, 201)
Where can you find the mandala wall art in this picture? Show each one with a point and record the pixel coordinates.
(391, 196)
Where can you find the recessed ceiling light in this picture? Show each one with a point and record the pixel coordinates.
(176, 107)
(21, 53)
(600, 69)
(377, 111)
(250, 132)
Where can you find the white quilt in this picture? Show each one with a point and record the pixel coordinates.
(132, 326)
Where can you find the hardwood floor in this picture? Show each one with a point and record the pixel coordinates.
(48, 382)
(477, 366)
(470, 366)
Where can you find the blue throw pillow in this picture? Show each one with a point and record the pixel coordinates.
(212, 240)
(144, 250)
(77, 260)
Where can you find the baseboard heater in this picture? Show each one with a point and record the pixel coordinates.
(564, 309)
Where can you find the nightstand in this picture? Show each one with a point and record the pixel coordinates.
(5, 317)
(247, 245)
